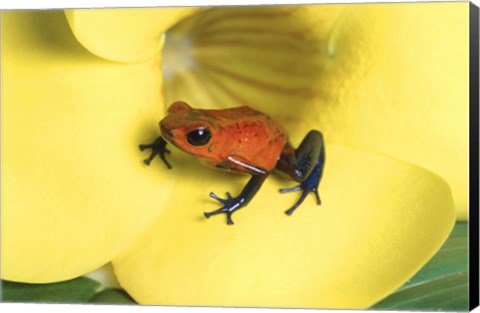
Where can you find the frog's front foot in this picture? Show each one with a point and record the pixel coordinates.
(158, 147)
(308, 185)
(230, 205)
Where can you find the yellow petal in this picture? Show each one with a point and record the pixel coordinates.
(398, 84)
(124, 35)
(380, 220)
(75, 191)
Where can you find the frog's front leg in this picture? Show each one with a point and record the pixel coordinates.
(159, 147)
(232, 204)
(305, 165)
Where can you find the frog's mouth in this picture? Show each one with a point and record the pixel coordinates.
(169, 136)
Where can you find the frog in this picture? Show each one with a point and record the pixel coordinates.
(243, 140)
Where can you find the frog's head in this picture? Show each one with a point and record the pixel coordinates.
(190, 130)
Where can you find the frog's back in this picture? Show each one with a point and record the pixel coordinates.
(251, 135)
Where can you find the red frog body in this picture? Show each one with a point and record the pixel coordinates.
(239, 136)
(244, 140)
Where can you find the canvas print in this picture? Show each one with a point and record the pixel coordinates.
(294, 156)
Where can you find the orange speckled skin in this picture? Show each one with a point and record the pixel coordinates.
(241, 134)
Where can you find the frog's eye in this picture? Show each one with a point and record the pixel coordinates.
(199, 137)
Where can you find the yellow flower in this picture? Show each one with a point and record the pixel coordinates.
(386, 86)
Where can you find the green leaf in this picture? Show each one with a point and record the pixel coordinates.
(77, 290)
(442, 284)
(449, 293)
(112, 296)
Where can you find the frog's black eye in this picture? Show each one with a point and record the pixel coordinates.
(199, 137)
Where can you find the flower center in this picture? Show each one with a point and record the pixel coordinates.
(177, 55)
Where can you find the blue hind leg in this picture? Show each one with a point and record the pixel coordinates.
(305, 165)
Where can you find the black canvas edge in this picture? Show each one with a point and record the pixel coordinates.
(474, 160)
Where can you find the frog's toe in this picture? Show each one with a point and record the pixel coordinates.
(221, 210)
(299, 201)
(208, 214)
(165, 161)
(147, 161)
(221, 200)
(143, 147)
(305, 190)
(317, 196)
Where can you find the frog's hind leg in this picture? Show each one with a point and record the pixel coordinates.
(305, 165)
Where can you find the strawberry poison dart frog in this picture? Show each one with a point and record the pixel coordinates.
(242, 140)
